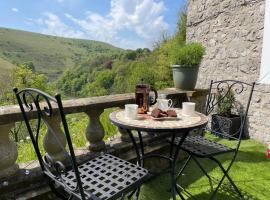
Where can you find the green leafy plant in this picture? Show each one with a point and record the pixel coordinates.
(189, 54)
(226, 100)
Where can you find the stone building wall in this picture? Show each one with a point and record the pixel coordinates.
(232, 32)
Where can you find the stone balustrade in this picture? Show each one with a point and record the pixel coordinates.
(94, 132)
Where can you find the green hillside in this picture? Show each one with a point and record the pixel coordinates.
(51, 55)
(5, 65)
(5, 70)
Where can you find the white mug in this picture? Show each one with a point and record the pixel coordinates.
(164, 104)
(131, 111)
(188, 108)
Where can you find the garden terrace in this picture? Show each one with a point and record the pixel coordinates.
(19, 180)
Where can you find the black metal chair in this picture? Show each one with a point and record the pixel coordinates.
(200, 147)
(102, 178)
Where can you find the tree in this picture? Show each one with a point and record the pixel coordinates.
(22, 77)
(181, 27)
(130, 55)
(29, 65)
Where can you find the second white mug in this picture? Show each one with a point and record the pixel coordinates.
(188, 108)
(164, 104)
(131, 111)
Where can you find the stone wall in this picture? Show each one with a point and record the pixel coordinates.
(232, 32)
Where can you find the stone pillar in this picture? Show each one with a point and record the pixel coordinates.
(54, 141)
(8, 152)
(94, 131)
(124, 134)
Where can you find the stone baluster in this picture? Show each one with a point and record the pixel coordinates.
(94, 131)
(8, 152)
(54, 141)
(124, 134)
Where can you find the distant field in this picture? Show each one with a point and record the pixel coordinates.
(50, 55)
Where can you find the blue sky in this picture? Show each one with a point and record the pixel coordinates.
(123, 23)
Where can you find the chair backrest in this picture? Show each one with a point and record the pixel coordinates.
(45, 108)
(225, 96)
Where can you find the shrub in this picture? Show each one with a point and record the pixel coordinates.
(226, 100)
(189, 54)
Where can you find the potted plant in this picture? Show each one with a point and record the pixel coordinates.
(185, 60)
(225, 122)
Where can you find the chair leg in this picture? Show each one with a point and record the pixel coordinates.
(55, 191)
(58, 194)
(203, 170)
(215, 191)
(225, 172)
(70, 197)
(174, 180)
(179, 193)
(138, 193)
(183, 168)
(131, 194)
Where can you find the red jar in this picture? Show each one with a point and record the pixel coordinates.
(268, 152)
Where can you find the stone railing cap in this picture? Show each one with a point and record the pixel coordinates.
(12, 113)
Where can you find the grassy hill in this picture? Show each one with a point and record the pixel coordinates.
(5, 65)
(51, 55)
(5, 69)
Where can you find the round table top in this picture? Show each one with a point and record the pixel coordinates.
(148, 123)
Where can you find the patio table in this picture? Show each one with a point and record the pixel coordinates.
(180, 125)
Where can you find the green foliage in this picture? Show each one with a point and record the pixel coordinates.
(226, 100)
(101, 85)
(182, 53)
(22, 77)
(84, 78)
(181, 27)
(95, 78)
(109, 129)
(29, 65)
(130, 55)
(187, 55)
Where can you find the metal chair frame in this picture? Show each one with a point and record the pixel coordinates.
(104, 178)
(225, 86)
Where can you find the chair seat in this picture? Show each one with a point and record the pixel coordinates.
(202, 147)
(106, 177)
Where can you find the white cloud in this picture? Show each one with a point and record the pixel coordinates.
(95, 27)
(15, 9)
(31, 21)
(54, 26)
(142, 18)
